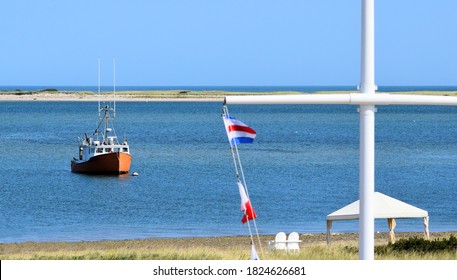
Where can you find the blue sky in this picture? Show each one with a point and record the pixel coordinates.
(224, 42)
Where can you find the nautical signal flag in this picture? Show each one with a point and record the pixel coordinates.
(246, 207)
(237, 131)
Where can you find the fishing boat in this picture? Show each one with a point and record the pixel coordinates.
(102, 153)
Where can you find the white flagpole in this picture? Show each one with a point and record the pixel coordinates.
(225, 114)
(367, 136)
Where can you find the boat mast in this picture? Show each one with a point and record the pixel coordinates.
(114, 86)
(107, 117)
(99, 109)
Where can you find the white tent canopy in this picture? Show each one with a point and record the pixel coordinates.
(385, 207)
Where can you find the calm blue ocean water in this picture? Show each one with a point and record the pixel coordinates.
(302, 166)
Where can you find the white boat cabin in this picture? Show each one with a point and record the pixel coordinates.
(90, 148)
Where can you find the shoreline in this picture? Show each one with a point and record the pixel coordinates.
(163, 95)
(304, 237)
(62, 97)
(313, 246)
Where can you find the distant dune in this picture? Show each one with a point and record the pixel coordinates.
(161, 95)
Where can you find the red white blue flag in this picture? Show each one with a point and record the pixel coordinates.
(246, 207)
(237, 131)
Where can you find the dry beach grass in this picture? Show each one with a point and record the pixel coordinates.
(313, 247)
(160, 95)
(154, 95)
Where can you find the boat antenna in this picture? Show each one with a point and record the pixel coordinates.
(99, 110)
(114, 86)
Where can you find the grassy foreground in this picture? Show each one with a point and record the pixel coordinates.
(313, 247)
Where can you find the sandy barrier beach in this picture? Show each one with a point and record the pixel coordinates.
(92, 97)
(126, 96)
(160, 95)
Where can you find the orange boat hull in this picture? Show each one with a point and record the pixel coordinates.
(113, 163)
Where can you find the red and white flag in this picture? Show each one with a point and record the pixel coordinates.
(246, 207)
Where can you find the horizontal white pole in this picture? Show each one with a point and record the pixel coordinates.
(351, 98)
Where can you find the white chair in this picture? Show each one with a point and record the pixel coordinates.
(280, 242)
(293, 242)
